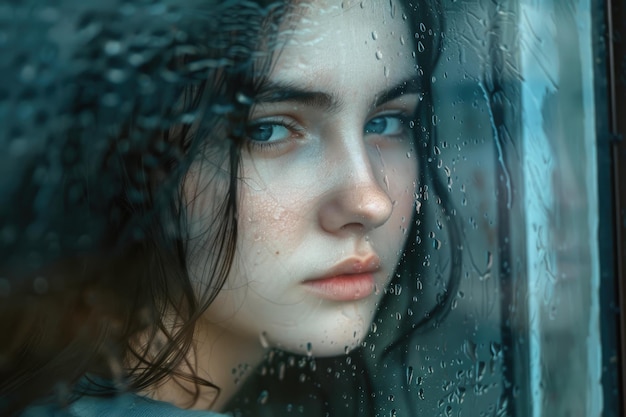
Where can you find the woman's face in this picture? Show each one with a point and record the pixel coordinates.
(327, 182)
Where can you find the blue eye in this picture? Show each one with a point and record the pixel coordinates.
(385, 125)
(268, 132)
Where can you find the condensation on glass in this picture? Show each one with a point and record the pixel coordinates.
(517, 109)
(515, 120)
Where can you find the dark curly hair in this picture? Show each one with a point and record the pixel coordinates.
(93, 245)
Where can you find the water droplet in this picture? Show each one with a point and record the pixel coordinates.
(386, 72)
(374, 35)
(116, 75)
(402, 40)
(393, 6)
(244, 99)
(420, 46)
(480, 370)
(281, 371)
(379, 55)
(263, 339)
(309, 349)
(469, 348)
(263, 396)
(420, 393)
(495, 349)
(409, 375)
(113, 47)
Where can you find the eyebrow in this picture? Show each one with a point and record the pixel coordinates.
(278, 92)
(409, 86)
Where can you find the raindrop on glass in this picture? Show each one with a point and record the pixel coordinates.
(263, 396)
(469, 348)
(263, 339)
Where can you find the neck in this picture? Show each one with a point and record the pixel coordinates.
(224, 359)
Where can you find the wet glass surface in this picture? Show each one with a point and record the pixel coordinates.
(496, 309)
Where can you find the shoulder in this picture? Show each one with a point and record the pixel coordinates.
(127, 405)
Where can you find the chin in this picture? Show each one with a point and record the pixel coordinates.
(323, 339)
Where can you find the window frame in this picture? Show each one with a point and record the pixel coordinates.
(614, 293)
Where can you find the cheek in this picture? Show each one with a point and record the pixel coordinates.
(276, 209)
(401, 175)
(272, 224)
(264, 217)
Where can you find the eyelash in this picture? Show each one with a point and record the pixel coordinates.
(290, 125)
(404, 118)
(293, 127)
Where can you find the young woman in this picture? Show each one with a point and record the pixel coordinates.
(268, 206)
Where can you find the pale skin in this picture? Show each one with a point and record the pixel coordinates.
(327, 192)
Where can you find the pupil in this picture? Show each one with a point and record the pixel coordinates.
(377, 125)
(261, 133)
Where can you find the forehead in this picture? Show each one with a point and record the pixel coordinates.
(341, 41)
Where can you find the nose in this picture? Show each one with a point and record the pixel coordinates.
(357, 201)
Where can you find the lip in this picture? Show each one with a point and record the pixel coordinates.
(350, 280)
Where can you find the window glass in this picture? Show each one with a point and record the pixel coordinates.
(175, 173)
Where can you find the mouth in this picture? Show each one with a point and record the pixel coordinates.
(351, 280)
